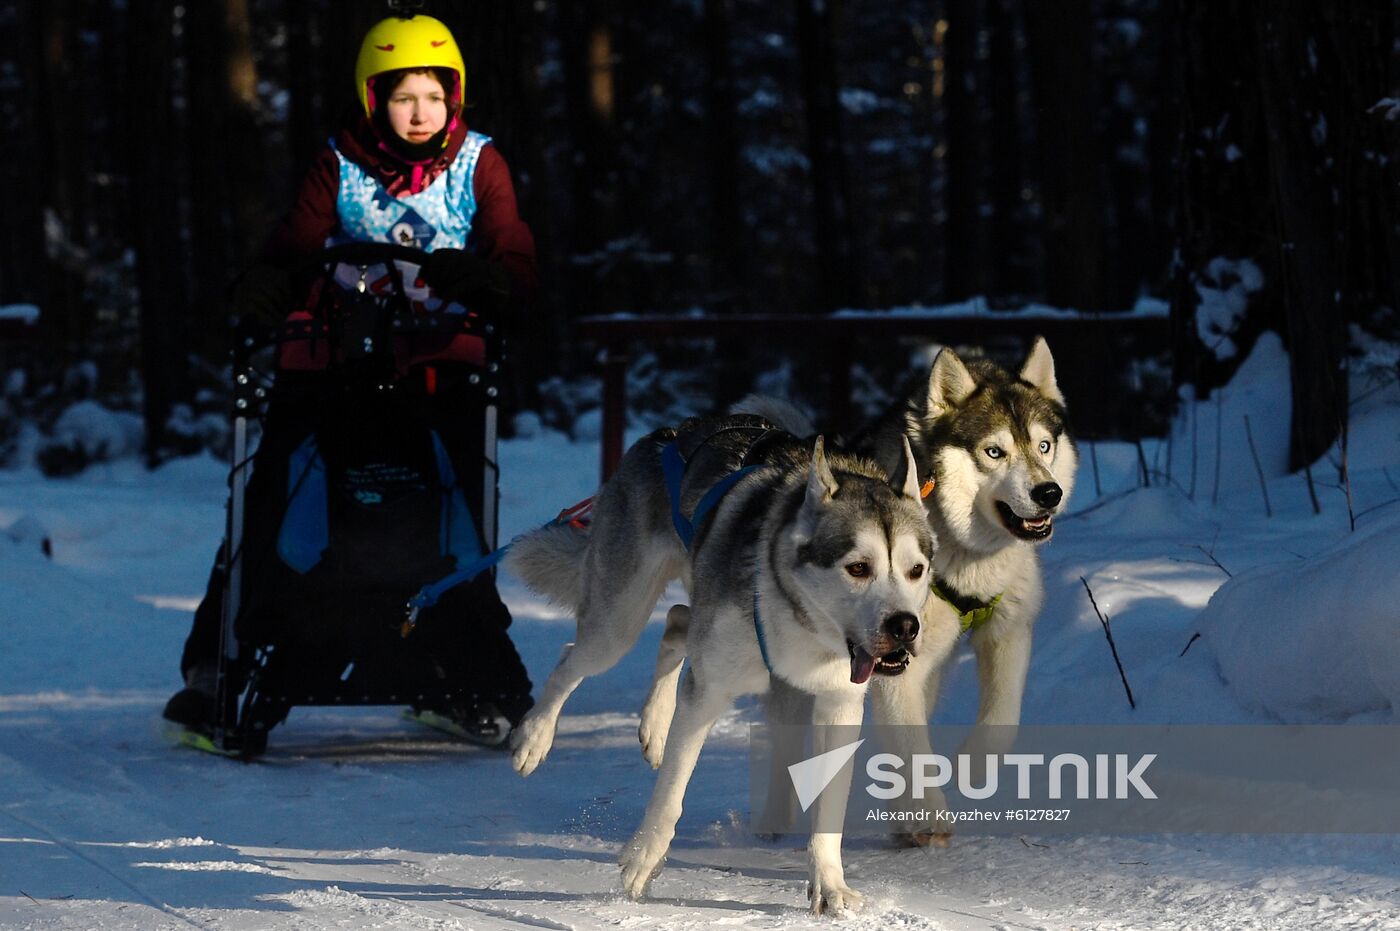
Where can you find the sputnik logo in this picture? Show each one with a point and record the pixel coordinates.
(813, 775)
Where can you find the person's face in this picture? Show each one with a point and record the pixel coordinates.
(418, 108)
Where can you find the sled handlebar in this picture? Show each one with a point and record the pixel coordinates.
(251, 334)
(369, 253)
(364, 254)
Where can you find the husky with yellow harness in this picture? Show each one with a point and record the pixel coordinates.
(802, 567)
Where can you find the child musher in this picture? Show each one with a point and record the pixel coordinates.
(403, 169)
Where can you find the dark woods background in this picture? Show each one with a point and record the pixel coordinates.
(732, 155)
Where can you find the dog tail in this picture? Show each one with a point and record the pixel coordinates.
(550, 561)
(778, 411)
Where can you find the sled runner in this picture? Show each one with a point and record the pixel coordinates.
(375, 476)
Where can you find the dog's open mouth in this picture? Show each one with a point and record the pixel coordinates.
(863, 665)
(1034, 529)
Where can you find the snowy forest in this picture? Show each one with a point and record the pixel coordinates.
(1195, 202)
(1231, 161)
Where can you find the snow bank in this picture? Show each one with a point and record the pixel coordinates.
(979, 306)
(1210, 451)
(25, 313)
(1374, 421)
(1315, 638)
(101, 433)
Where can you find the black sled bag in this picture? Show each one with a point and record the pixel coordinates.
(374, 510)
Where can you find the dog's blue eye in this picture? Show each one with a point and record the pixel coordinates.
(994, 452)
(1045, 446)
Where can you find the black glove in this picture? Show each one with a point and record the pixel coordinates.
(457, 275)
(264, 292)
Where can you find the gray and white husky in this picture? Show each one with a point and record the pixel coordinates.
(812, 569)
(1003, 464)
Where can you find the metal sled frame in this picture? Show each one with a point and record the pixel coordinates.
(241, 727)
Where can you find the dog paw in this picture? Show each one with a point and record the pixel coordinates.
(939, 839)
(530, 743)
(641, 861)
(937, 830)
(833, 897)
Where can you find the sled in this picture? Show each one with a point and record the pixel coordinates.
(376, 476)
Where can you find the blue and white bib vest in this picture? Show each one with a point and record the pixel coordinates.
(437, 217)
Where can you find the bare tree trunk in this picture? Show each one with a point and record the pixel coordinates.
(341, 27)
(729, 272)
(1163, 127)
(967, 255)
(64, 139)
(22, 254)
(1060, 37)
(212, 262)
(1223, 197)
(1007, 240)
(1128, 247)
(307, 124)
(591, 104)
(1303, 84)
(154, 220)
(1278, 172)
(1368, 173)
(247, 184)
(61, 181)
(230, 213)
(831, 190)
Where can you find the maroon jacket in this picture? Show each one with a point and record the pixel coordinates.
(497, 230)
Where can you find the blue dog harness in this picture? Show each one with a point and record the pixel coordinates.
(576, 516)
(673, 467)
(758, 630)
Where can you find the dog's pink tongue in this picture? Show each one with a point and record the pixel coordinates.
(862, 665)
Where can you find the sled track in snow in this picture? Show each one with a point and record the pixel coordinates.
(514, 916)
(92, 861)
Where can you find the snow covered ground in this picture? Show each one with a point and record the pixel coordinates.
(357, 819)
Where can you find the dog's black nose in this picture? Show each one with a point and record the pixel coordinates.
(1047, 494)
(903, 627)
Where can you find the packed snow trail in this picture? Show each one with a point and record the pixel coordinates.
(357, 819)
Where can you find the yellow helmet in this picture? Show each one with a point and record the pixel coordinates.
(406, 42)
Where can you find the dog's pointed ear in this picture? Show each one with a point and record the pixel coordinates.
(821, 488)
(906, 477)
(949, 384)
(821, 484)
(1039, 371)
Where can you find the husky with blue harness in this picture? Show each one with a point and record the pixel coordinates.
(801, 566)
